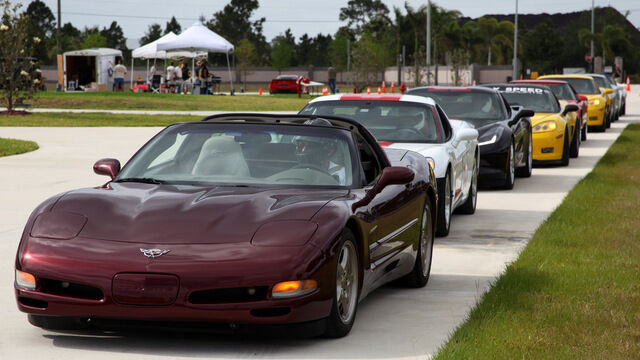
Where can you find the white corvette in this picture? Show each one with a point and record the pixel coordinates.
(418, 124)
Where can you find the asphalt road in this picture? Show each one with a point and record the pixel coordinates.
(391, 323)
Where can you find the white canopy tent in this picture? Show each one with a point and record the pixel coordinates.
(199, 38)
(150, 51)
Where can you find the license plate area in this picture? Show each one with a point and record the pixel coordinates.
(145, 289)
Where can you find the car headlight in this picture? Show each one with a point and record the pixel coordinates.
(490, 136)
(594, 102)
(59, 225)
(431, 163)
(545, 126)
(493, 139)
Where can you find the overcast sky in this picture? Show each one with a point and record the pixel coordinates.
(302, 16)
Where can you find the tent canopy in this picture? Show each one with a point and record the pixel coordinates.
(150, 50)
(197, 38)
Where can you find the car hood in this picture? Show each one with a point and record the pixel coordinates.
(181, 214)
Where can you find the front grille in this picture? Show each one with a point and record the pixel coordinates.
(271, 312)
(229, 295)
(34, 303)
(69, 289)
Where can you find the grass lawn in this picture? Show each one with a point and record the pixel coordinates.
(93, 119)
(149, 101)
(13, 147)
(574, 292)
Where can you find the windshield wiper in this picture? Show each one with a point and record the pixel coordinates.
(142, 180)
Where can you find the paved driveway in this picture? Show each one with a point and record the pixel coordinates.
(392, 322)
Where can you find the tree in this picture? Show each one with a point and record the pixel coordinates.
(94, 40)
(154, 32)
(42, 26)
(440, 20)
(114, 36)
(19, 75)
(281, 53)
(371, 58)
(173, 26)
(495, 35)
(245, 53)
(543, 47)
(233, 23)
(338, 50)
(365, 15)
(611, 39)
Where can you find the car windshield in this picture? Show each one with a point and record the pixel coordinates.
(536, 99)
(583, 86)
(287, 77)
(601, 81)
(242, 154)
(474, 106)
(562, 91)
(392, 121)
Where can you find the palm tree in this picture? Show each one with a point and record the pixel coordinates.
(495, 36)
(440, 20)
(612, 37)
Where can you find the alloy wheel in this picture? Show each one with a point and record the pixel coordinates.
(347, 282)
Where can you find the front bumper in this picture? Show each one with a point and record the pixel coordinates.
(493, 167)
(548, 146)
(596, 115)
(208, 267)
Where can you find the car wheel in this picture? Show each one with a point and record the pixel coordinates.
(565, 148)
(525, 171)
(419, 276)
(575, 142)
(444, 206)
(583, 134)
(347, 287)
(608, 124)
(623, 111)
(469, 206)
(510, 173)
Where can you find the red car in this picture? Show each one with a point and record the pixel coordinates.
(565, 91)
(284, 84)
(237, 219)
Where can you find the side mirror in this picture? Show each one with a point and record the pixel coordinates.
(522, 114)
(110, 167)
(583, 98)
(607, 91)
(393, 175)
(466, 134)
(569, 108)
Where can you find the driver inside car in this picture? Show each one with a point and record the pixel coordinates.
(320, 153)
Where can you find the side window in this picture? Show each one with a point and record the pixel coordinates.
(371, 167)
(506, 105)
(443, 124)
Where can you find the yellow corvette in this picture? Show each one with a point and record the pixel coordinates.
(556, 131)
(598, 112)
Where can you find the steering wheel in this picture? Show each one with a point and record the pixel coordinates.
(312, 167)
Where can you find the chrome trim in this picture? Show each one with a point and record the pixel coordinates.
(153, 253)
(393, 234)
(384, 259)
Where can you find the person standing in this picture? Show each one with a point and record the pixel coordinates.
(332, 79)
(177, 77)
(170, 76)
(119, 71)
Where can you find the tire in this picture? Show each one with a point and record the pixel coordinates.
(623, 111)
(525, 171)
(510, 174)
(565, 148)
(444, 206)
(345, 303)
(469, 206)
(575, 143)
(583, 134)
(608, 124)
(419, 275)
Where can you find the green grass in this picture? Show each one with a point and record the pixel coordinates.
(93, 119)
(574, 292)
(13, 147)
(149, 101)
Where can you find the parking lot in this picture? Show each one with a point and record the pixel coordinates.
(413, 322)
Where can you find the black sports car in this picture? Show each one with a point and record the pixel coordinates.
(504, 131)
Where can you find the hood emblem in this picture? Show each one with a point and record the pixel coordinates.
(153, 253)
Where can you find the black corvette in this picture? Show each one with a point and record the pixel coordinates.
(504, 131)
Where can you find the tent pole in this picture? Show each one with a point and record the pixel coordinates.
(146, 75)
(131, 84)
(230, 78)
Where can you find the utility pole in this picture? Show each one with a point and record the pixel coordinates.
(348, 59)
(58, 32)
(593, 31)
(515, 47)
(428, 42)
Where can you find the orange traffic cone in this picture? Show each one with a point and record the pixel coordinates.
(260, 92)
(379, 90)
(392, 88)
(368, 91)
(628, 84)
(384, 87)
(325, 91)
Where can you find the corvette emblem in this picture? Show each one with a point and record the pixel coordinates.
(153, 253)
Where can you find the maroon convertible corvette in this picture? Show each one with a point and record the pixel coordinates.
(240, 219)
